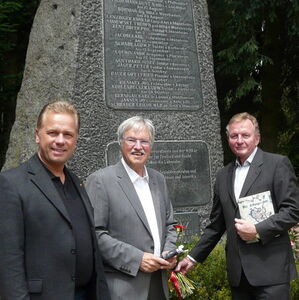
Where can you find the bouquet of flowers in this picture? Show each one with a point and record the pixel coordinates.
(178, 282)
(181, 284)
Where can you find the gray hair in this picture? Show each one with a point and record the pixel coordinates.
(242, 117)
(136, 123)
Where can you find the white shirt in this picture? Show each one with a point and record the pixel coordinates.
(241, 173)
(240, 176)
(144, 193)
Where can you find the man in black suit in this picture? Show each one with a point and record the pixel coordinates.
(48, 248)
(260, 262)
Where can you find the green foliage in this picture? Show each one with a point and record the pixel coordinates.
(13, 16)
(16, 17)
(295, 285)
(210, 277)
(256, 58)
(240, 36)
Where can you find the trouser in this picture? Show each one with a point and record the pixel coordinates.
(245, 291)
(156, 291)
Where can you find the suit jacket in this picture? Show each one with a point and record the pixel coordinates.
(123, 231)
(36, 257)
(269, 261)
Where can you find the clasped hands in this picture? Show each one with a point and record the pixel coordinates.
(151, 263)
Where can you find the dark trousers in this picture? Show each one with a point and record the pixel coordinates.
(245, 291)
(156, 291)
(88, 292)
(80, 294)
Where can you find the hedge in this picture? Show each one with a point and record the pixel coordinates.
(211, 281)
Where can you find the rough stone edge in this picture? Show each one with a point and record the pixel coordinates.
(59, 18)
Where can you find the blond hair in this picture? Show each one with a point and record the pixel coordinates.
(242, 117)
(58, 107)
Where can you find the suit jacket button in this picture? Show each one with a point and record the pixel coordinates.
(152, 247)
(73, 278)
(73, 251)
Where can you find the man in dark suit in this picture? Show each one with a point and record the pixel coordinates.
(260, 262)
(133, 218)
(48, 249)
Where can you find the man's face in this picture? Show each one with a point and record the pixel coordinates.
(242, 139)
(57, 139)
(136, 149)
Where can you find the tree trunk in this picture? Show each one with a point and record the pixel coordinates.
(272, 117)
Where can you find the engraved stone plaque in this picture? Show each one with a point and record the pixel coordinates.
(118, 58)
(150, 55)
(185, 165)
(191, 221)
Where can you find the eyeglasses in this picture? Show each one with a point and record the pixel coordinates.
(133, 142)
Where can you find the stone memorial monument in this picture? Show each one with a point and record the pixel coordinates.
(118, 58)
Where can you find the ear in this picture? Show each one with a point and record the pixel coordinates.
(36, 136)
(258, 139)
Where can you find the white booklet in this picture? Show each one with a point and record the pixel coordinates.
(256, 208)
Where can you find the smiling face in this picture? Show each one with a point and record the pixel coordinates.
(136, 148)
(57, 138)
(242, 138)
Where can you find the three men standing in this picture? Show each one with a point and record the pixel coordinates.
(48, 246)
(133, 218)
(49, 249)
(260, 262)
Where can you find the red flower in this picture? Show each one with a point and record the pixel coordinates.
(175, 282)
(181, 284)
(179, 227)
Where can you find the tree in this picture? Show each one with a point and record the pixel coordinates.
(16, 18)
(255, 47)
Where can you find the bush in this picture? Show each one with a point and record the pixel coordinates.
(295, 285)
(211, 281)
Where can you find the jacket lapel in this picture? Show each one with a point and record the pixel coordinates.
(129, 190)
(253, 172)
(41, 179)
(230, 182)
(85, 199)
(155, 195)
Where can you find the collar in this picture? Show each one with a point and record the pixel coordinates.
(52, 176)
(132, 174)
(248, 161)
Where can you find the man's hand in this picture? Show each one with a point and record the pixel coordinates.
(151, 263)
(172, 261)
(246, 230)
(185, 265)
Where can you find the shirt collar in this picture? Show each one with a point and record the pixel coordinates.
(248, 161)
(52, 176)
(132, 174)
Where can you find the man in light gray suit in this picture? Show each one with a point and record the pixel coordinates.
(260, 262)
(133, 218)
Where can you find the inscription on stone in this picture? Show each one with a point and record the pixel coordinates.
(185, 165)
(191, 221)
(150, 55)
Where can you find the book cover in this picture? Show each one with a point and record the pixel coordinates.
(256, 208)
